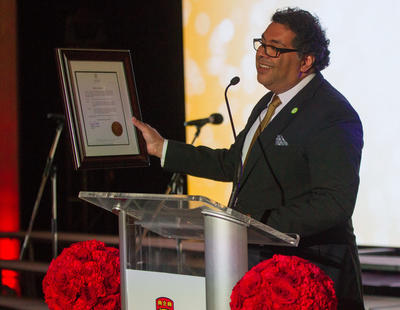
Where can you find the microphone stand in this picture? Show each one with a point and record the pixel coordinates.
(49, 169)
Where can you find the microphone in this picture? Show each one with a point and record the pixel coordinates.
(234, 81)
(214, 118)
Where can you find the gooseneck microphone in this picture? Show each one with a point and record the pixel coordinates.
(234, 81)
(214, 118)
(236, 185)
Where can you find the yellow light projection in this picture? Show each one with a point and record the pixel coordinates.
(218, 46)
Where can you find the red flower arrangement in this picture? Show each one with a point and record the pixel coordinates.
(285, 283)
(84, 276)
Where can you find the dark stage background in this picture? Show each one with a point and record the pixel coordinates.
(152, 30)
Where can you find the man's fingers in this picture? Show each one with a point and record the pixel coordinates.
(138, 123)
(146, 129)
(153, 139)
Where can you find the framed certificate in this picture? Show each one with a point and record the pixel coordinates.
(100, 98)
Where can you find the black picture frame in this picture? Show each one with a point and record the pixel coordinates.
(100, 98)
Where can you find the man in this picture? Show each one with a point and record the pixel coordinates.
(300, 173)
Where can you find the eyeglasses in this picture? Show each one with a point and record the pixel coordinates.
(270, 50)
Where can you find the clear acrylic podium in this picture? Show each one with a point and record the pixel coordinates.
(187, 235)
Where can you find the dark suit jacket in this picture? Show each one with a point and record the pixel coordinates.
(307, 184)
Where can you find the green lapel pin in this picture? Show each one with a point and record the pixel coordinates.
(294, 110)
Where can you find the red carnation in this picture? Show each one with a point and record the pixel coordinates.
(84, 276)
(284, 282)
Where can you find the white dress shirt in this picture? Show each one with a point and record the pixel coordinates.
(285, 98)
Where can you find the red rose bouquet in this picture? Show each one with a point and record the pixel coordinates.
(84, 276)
(285, 283)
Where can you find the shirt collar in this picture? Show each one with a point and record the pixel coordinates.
(286, 96)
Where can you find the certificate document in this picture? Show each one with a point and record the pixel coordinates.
(103, 109)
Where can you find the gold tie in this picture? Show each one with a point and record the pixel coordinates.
(270, 112)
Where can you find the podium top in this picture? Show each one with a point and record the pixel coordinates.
(182, 216)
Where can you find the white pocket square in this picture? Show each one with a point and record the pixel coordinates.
(280, 140)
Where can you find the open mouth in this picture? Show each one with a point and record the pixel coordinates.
(263, 67)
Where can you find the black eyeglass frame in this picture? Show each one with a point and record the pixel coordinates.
(278, 50)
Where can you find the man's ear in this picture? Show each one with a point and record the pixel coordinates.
(307, 63)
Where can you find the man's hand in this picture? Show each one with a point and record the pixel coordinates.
(154, 140)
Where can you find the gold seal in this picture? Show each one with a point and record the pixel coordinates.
(116, 128)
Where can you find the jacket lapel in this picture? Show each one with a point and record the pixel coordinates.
(278, 124)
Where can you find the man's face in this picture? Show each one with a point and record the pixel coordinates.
(282, 73)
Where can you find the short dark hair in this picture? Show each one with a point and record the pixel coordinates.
(310, 38)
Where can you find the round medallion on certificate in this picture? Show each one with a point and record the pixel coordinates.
(116, 128)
